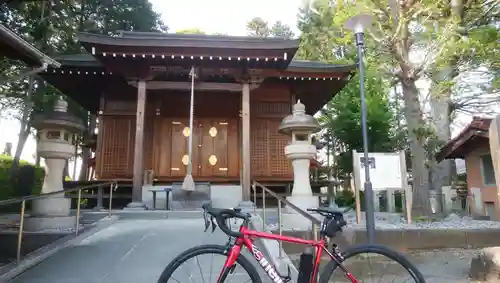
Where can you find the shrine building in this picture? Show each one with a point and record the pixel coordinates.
(139, 85)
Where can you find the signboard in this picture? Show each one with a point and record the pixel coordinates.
(385, 170)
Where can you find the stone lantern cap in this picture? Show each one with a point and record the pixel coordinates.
(299, 121)
(59, 118)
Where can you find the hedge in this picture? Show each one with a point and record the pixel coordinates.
(7, 186)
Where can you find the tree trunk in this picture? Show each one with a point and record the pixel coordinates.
(86, 152)
(441, 173)
(25, 127)
(420, 175)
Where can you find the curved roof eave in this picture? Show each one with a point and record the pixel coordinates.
(15, 41)
(152, 39)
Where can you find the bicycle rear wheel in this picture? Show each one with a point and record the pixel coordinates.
(242, 271)
(386, 260)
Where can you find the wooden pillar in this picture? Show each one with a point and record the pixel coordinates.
(245, 143)
(139, 143)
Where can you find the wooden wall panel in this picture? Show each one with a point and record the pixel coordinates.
(116, 156)
(233, 148)
(162, 147)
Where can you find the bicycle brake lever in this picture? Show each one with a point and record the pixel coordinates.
(214, 225)
(207, 223)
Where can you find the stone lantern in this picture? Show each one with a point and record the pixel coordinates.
(57, 131)
(300, 126)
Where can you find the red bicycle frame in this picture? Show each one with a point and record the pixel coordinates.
(247, 241)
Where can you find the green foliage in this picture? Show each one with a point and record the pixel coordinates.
(345, 198)
(191, 31)
(6, 183)
(323, 38)
(52, 27)
(258, 27)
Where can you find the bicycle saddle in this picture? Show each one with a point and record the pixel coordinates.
(326, 211)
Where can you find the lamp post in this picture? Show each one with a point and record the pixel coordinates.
(357, 24)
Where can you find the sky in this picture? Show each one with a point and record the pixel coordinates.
(225, 16)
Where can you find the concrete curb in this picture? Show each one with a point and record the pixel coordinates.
(12, 270)
(271, 250)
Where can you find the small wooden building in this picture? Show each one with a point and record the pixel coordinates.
(139, 84)
(472, 145)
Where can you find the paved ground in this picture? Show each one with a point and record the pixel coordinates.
(132, 251)
(129, 251)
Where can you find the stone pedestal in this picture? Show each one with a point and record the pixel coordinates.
(50, 213)
(391, 200)
(300, 153)
(449, 193)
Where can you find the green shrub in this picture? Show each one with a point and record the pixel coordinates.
(7, 185)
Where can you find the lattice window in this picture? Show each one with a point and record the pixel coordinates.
(276, 109)
(279, 164)
(259, 149)
(120, 106)
(115, 148)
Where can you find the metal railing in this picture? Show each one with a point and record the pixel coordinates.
(23, 200)
(314, 221)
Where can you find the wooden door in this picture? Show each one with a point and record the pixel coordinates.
(213, 150)
(178, 147)
(179, 152)
(162, 147)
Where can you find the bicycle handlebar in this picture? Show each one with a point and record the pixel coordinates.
(221, 215)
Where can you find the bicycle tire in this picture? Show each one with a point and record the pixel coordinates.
(207, 249)
(374, 249)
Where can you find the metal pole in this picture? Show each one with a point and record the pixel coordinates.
(111, 198)
(280, 229)
(20, 234)
(264, 217)
(78, 212)
(369, 209)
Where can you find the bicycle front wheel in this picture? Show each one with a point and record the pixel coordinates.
(204, 264)
(371, 263)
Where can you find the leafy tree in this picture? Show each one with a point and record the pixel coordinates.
(191, 31)
(258, 27)
(52, 27)
(400, 30)
(341, 117)
(342, 120)
(280, 29)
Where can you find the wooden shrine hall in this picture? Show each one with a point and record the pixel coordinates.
(139, 85)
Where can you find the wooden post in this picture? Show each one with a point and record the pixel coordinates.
(245, 143)
(139, 143)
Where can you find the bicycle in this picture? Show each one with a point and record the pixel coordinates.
(308, 269)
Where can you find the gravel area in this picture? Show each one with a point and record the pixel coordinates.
(386, 220)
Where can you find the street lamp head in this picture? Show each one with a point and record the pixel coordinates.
(358, 23)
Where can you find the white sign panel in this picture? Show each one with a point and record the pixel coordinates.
(385, 170)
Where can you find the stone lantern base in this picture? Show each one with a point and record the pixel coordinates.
(292, 220)
(51, 213)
